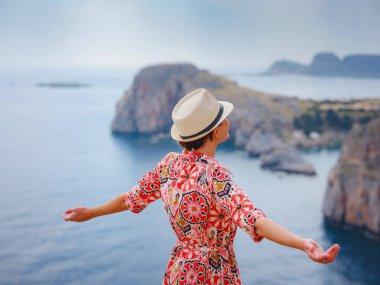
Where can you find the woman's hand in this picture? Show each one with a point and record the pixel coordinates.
(317, 254)
(80, 214)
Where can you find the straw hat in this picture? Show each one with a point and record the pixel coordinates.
(197, 114)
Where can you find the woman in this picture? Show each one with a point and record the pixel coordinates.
(202, 202)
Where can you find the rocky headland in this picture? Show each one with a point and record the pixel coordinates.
(260, 124)
(353, 193)
(274, 128)
(271, 127)
(329, 64)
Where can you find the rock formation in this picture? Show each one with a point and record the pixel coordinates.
(259, 122)
(63, 85)
(353, 193)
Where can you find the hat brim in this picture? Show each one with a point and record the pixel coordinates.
(227, 110)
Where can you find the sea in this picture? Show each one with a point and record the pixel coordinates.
(57, 151)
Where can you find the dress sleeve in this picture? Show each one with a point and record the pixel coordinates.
(236, 202)
(147, 190)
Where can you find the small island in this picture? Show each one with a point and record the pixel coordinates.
(329, 64)
(62, 85)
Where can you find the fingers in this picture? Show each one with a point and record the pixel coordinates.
(68, 217)
(316, 253)
(333, 249)
(79, 214)
(328, 256)
(322, 258)
(71, 213)
(333, 253)
(65, 217)
(71, 210)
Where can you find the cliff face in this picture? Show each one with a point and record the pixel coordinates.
(145, 107)
(258, 123)
(353, 192)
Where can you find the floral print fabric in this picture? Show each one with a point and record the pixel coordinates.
(204, 207)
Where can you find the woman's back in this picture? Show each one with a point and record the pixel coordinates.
(204, 207)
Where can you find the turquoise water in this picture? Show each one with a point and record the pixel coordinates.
(57, 152)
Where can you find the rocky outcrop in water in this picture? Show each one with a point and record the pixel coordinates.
(259, 122)
(329, 64)
(63, 85)
(353, 193)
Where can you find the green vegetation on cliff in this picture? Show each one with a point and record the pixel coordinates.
(336, 116)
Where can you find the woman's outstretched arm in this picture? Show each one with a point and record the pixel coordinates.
(82, 214)
(271, 230)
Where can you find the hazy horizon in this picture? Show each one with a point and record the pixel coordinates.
(225, 34)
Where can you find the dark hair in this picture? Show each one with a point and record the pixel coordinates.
(197, 143)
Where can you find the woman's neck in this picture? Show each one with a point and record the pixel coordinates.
(208, 148)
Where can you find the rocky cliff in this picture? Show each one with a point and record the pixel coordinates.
(259, 122)
(353, 193)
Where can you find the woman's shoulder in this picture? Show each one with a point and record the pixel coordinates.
(219, 169)
(169, 157)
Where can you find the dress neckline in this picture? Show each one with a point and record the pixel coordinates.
(196, 155)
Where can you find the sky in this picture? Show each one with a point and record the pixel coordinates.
(227, 34)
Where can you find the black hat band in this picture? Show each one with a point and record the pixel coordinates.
(213, 123)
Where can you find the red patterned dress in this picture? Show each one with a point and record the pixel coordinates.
(204, 207)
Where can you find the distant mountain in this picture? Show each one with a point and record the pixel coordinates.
(329, 64)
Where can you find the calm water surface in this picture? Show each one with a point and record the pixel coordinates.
(57, 152)
(311, 87)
